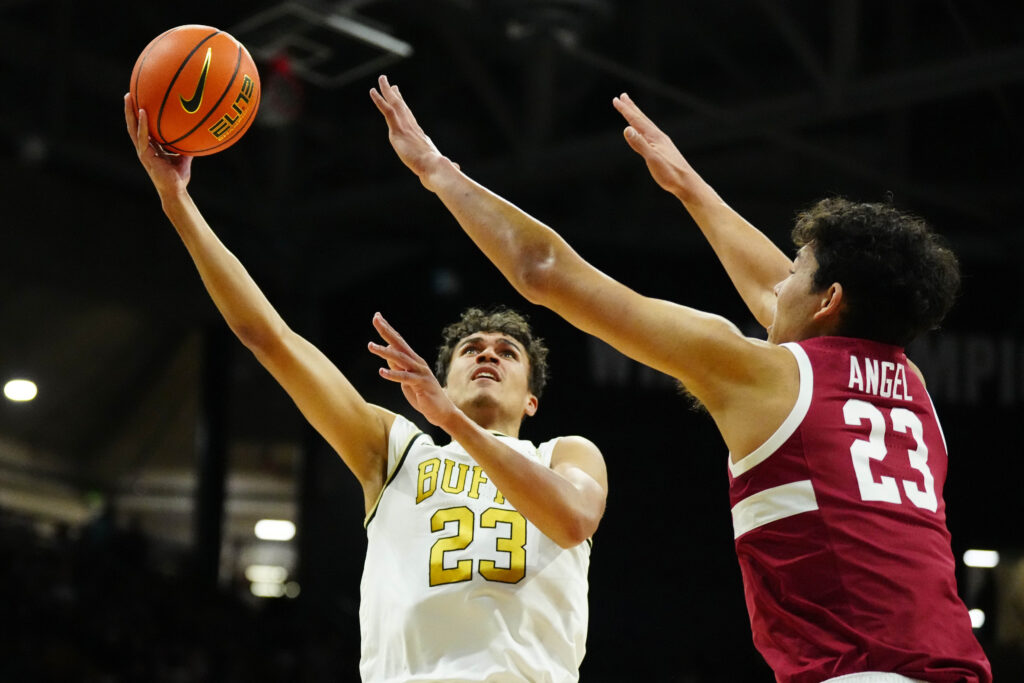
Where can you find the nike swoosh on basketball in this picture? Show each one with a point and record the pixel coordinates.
(192, 105)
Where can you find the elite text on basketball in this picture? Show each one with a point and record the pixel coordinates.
(225, 123)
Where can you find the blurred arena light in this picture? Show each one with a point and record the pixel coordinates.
(985, 559)
(20, 390)
(977, 618)
(368, 34)
(274, 530)
(268, 581)
(267, 590)
(265, 573)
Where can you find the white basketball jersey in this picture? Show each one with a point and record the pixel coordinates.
(457, 585)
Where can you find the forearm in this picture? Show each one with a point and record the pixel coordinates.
(550, 501)
(753, 262)
(239, 300)
(526, 251)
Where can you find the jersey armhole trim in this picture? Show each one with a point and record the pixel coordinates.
(938, 423)
(792, 421)
(546, 451)
(405, 452)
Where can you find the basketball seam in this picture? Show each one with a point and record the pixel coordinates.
(236, 133)
(230, 85)
(170, 86)
(134, 88)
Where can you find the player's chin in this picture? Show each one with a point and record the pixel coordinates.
(484, 399)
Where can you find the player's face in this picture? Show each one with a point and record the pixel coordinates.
(796, 301)
(490, 371)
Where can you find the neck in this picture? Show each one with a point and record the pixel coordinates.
(492, 419)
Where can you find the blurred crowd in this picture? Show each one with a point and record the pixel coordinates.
(100, 604)
(90, 606)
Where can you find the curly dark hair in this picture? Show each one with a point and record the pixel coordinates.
(899, 278)
(495, 319)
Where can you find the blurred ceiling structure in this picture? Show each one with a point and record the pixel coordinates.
(776, 103)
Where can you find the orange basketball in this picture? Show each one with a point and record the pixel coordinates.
(199, 87)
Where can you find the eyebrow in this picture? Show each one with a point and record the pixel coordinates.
(477, 339)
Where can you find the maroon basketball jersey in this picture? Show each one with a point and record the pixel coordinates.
(841, 530)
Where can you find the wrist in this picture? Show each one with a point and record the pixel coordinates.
(453, 421)
(439, 172)
(462, 428)
(173, 200)
(694, 191)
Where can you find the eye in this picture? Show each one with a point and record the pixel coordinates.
(509, 354)
(467, 350)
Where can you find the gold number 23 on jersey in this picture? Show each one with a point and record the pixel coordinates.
(464, 523)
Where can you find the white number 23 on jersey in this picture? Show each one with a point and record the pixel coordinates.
(863, 452)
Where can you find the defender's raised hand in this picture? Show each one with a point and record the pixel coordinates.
(666, 163)
(412, 145)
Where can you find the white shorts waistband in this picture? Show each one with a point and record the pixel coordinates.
(872, 677)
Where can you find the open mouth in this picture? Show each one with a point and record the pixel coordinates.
(486, 374)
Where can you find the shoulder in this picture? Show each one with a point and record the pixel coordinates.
(399, 429)
(575, 443)
(766, 368)
(575, 450)
(751, 408)
(917, 371)
(580, 460)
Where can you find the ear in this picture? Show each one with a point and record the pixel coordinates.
(831, 304)
(530, 409)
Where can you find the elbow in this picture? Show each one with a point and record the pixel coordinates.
(262, 340)
(252, 337)
(568, 542)
(536, 275)
(579, 528)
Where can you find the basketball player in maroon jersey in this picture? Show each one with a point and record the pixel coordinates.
(837, 460)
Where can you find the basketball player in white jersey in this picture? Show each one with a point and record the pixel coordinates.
(476, 566)
(837, 459)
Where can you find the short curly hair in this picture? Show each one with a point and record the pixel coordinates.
(899, 278)
(496, 319)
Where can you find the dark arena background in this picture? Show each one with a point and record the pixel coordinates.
(131, 486)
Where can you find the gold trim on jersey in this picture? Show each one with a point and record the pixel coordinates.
(391, 475)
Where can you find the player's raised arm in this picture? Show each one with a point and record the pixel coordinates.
(706, 352)
(754, 264)
(356, 429)
(565, 501)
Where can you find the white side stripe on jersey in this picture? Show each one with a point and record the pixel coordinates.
(772, 505)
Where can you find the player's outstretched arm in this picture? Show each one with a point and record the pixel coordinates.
(752, 261)
(707, 353)
(356, 429)
(565, 501)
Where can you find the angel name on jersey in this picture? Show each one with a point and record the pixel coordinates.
(880, 378)
(451, 477)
